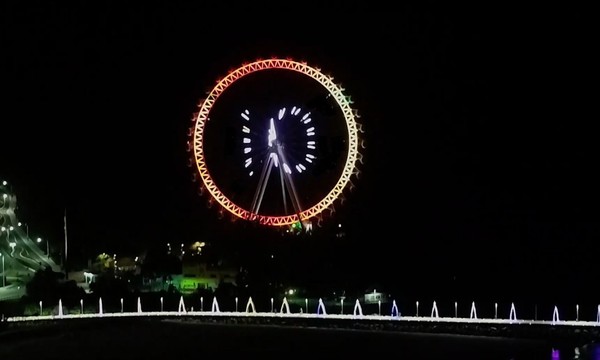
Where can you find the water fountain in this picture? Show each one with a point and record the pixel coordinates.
(215, 305)
(395, 312)
(434, 311)
(473, 314)
(555, 317)
(139, 305)
(250, 305)
(100, 309)
(321, 308)
(60, 308)
(285, 305)
(181, 308)
(495, 310)
(513, 313)
(455, 309)
(357, 308)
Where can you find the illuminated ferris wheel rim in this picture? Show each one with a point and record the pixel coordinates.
(337, 92)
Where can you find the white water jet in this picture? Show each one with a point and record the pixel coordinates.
(60, 309)
(100, 308)
(321, 308)
(455, 309)
(286, 306)
(250, 305)
(555, 317)
(434, 311)
(495, 310)
(215, 305)
(357, 308)
(181, 308)
(139, 305)
(513, 313)
(395, 312)
(598, 315)
(473, 314)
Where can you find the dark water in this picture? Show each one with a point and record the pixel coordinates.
(169, 339)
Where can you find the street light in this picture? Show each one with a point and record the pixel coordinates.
(8, 230)
(39, 240)
(26, 228)
(3, 276)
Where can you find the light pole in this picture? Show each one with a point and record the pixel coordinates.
(39, 240)
(26, 228)
(11, 243)
(3, 276)
(8, 230)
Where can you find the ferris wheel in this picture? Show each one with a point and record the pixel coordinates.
(275, 142)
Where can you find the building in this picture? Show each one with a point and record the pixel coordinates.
(202, 275)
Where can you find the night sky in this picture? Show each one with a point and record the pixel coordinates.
(479, 162)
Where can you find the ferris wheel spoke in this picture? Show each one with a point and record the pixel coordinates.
(262, 184)
(289, 184)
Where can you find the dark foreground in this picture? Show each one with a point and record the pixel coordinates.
(183, 338)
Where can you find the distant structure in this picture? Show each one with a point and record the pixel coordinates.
(21, 256)
(281, 155)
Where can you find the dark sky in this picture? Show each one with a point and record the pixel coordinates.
(479, 158)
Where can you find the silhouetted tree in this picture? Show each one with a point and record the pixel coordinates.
(106, 285)
(45, 285)
(49, 287)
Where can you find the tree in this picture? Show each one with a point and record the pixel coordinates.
(49, 287)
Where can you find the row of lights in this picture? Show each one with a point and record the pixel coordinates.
(4, 196)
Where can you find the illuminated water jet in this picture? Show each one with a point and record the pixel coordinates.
(321, 308)
(434, 311)
(357, 309)
(250, 305)
(473, 314)
(286, 306)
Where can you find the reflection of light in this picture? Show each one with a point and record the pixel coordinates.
(596, 352)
